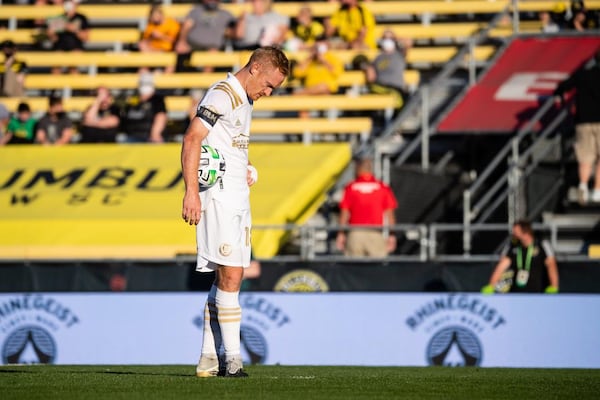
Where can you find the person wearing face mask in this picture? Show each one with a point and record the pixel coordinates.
(144, 116)
(207, 27)
(70, 30)
(54, 128)
(12, 72)
(386, 73)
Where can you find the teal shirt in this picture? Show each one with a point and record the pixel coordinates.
(23, 132)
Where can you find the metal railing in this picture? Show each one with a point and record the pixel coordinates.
(425, 237)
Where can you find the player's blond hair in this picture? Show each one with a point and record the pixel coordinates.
(273, 56)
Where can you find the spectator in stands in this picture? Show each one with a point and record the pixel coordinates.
(55, 127)
(12, 72)
(586, 82)
(4, 118)
(101, 120)
(305, 31)
(68, 31)
(582, 18)
(144, 117)
(527, 265)
(207, 27)
(549, 25)
(21, 128)
(319, 72)
(160, 33)
(353, 25)
(386, 73)
(371, 203)
(261, 27)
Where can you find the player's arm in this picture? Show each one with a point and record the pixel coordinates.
(190, 159)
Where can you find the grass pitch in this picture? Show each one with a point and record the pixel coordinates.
(296, 382)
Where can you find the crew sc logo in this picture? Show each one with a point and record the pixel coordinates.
(29, 345)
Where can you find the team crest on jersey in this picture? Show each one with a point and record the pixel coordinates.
(208, 114)
(225, 249)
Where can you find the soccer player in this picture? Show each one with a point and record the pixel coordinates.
(222, 213)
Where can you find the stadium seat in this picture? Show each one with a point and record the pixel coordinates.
(166, 81)
(279, 103)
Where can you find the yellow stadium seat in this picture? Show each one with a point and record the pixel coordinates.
(180, 104)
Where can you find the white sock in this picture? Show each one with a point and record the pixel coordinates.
(583, 186)
(229, 314)
(211, 341)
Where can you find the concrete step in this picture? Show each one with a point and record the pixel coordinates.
(583, 221)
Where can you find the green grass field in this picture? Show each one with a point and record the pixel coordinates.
(296, 382)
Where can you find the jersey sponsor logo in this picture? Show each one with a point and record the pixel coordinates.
(260, 318)
(301, 280)
(207, 114)
(456, 323)
(29, 325)
(241, 142)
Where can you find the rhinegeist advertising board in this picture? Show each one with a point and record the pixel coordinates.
(124, 201)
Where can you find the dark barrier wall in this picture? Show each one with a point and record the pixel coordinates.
(575, 277)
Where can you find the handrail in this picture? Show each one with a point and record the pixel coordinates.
(425, 235)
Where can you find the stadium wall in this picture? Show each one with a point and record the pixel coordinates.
(299, 276)
(388, 329)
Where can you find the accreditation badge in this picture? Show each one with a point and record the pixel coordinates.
(522, 277)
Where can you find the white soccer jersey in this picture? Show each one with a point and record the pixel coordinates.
(223, 234)
(226, 111)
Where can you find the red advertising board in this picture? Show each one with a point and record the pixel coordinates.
(525, 74)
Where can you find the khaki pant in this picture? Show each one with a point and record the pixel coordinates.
(587, 142)
(366, 243)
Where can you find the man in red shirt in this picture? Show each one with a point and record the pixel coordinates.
(371, 203)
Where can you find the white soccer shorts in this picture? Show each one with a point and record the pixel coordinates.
(223, 236)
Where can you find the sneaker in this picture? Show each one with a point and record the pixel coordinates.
(582, 194)
(234, 368)
(207, 367)
(596, 195)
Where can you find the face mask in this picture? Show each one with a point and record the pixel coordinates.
(146, 90)
(211, 5)
(68, 6)
(388, 45)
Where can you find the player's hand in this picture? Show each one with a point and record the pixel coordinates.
(191, 208)
(251, 175)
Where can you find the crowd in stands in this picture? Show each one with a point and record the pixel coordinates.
(142, 115)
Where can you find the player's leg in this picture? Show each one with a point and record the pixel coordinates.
(229, 315)
(208, 365)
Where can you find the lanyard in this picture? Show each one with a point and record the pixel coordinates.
(527, 259)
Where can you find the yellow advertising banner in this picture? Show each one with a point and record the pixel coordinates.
(124, 201)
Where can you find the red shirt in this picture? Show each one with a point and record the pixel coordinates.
(366, 198)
